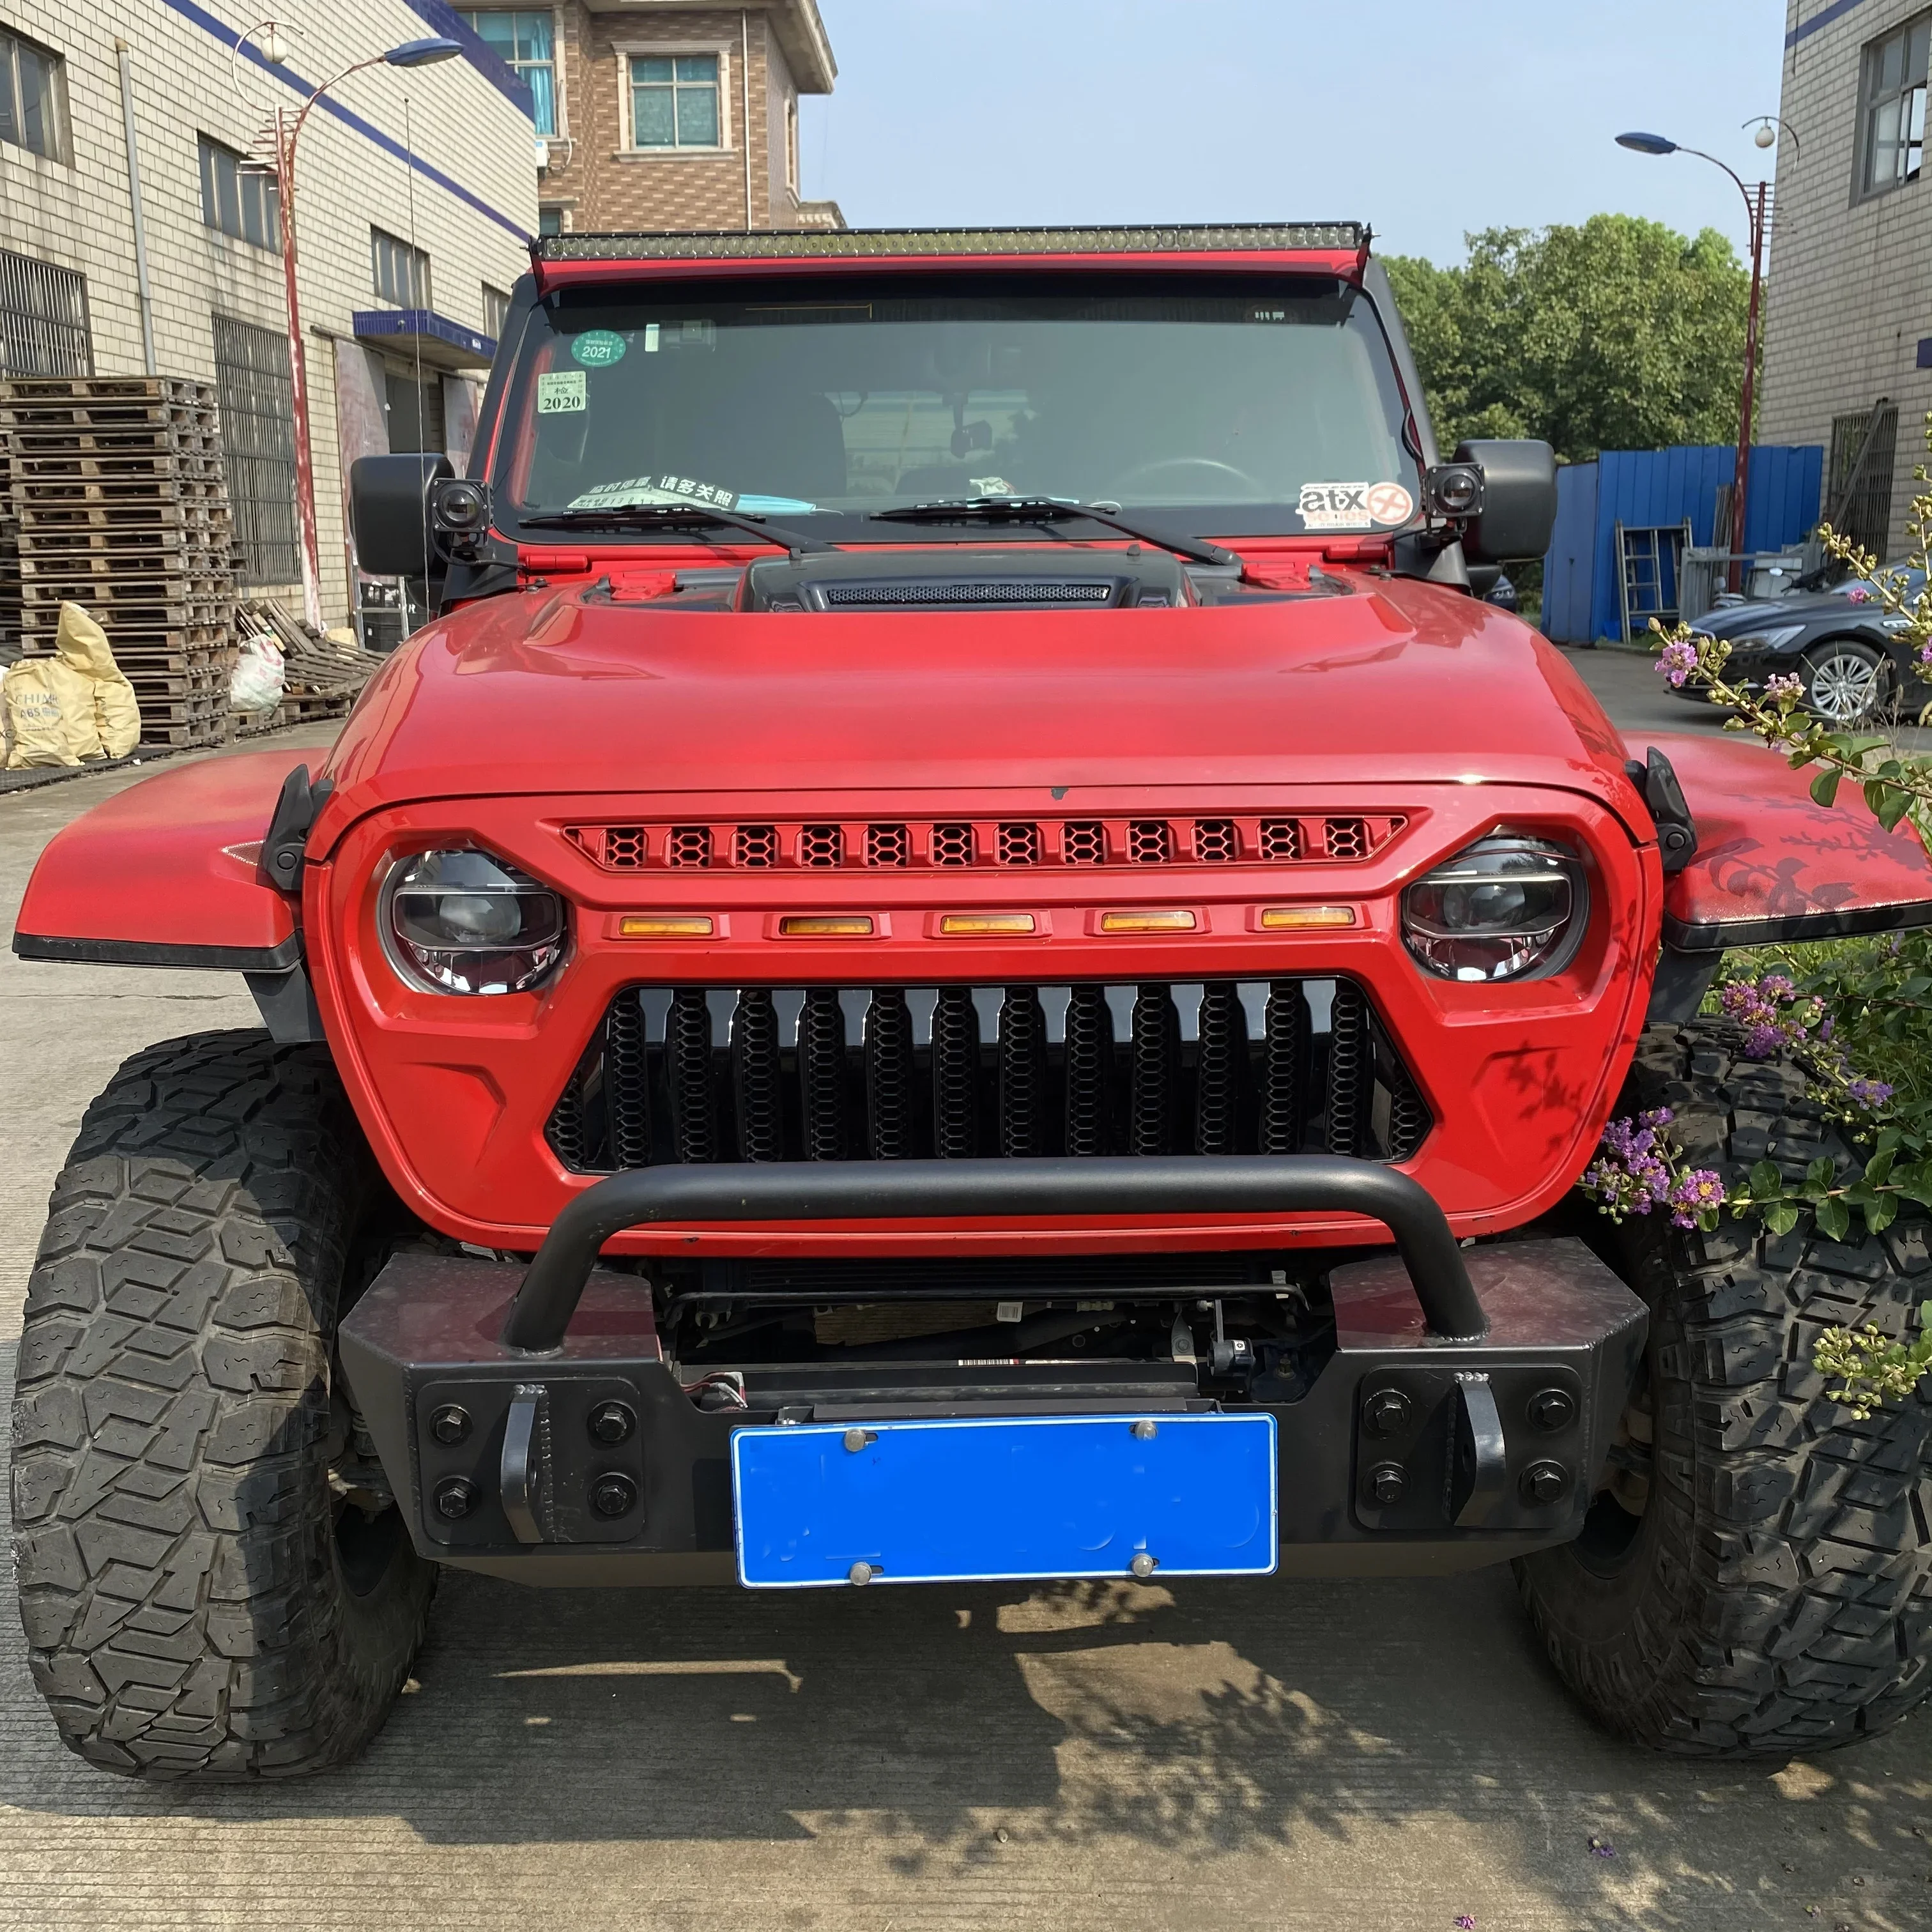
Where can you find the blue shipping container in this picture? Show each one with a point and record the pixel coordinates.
(1654, 488)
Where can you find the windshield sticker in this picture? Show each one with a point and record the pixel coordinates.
(1390, 503)
(639, 490)
(990, 486)
(598, 348)
(560, 392)
(650, 338)
(1334, 506)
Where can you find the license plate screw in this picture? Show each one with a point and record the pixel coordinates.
(1144, 1431)
(1144, 1566)
(857, 1439)
(861, 1573)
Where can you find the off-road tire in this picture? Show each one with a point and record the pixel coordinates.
(1774, 1594)
(191, 1609)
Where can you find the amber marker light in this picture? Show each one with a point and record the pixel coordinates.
(1148, 921)
(985, 925)
(1300, 918)
(825, 925)
(665, 925)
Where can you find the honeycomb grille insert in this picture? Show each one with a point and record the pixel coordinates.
(1305, 838)
(690, 1074)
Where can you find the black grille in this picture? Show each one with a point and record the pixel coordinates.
(695, 1073)
(871, 596)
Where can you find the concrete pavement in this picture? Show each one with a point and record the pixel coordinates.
(1210, 1756)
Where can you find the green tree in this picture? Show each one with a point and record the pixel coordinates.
(1618, 334)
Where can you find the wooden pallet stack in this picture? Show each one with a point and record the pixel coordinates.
(325, 673)
(121, 506)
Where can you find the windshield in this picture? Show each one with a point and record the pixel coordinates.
(1270, 408)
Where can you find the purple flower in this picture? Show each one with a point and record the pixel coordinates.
(1465, 1922)
(1869, 1092)
(1858, 594)
(1677, 661)
(1925, 656)
(1779, 685)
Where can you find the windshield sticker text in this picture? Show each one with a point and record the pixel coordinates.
(598, 348)
(560, 392)
(1334, 506)
(666, 489)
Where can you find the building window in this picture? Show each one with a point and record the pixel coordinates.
(402, 273)
(524, 39)
(239, 200)
(674, 101)
(258, 445)
(44, 328)
(496, 310)
(33, 103)
(550, 221)
(1892, 123)
(1858, 477)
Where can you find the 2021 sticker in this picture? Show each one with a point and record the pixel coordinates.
(598, 348)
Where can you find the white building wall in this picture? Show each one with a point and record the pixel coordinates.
(78, 216)
(1848, 294)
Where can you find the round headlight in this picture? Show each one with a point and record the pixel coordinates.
(1503, 909)
(465, 922)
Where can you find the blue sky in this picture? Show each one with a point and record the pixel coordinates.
(1425, 119)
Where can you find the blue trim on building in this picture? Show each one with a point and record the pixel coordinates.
(446, 20)
(374, 324)
(1823, 17)
(221, 31)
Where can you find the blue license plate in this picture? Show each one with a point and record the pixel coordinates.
(1000, 1498)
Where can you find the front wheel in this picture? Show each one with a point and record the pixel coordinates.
(214, 1581)
(1755, 1575)
(1846, 682)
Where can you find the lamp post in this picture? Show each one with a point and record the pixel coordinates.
(1756, 208)
(288, 132)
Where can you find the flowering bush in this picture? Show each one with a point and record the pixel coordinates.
(1641, 1168)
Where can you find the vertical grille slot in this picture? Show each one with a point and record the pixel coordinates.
(697, 1074)
(1345, 838)
(1281, 839)
(1019, 845)
(952, 844)
(1150, 842)
(688, 1055)
(890, 1124)
(757, 1077)
(956, 1075)
(1217, 842)
(888, 845)
(820, 845)
(755, 847)
(821, 1070)
(624, 846)
(1347, 1069)
(1083, 842)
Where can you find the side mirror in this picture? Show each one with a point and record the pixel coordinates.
(388, 513)
(1519, 500)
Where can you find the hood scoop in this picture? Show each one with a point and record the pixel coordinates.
(1056, 577)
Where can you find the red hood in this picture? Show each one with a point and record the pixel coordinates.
(545, 693)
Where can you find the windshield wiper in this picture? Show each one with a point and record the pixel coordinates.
(1048, 510)
(670, 517)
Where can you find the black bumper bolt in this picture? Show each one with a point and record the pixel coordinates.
(450, 1424)
(1550, 1409)
(455, 1497)
(1385, 1412)
(613, 1495)
(610, 1424)
(1545, 1483)
(1387, 1483)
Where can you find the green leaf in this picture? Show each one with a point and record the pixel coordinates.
(1878, 1169)
(1781, 1217)
(1834, 1220)
(1825, 786)
(1889, 1140)
(1818, 1178)
(1767, 1183)
(1925, 1315)
(1879, 1214)
(1894, 803)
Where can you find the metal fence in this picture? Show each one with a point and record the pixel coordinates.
(43, 326)
(258, 440)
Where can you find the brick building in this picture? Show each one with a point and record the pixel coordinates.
(658, 114)
(1848, 338)
(415, 198)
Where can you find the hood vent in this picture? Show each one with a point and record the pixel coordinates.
(1018, 576)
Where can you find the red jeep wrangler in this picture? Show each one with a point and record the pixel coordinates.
(863, 1004)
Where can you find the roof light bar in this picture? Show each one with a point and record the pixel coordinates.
(1290, 238)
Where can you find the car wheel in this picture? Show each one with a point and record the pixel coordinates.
(1846, 682)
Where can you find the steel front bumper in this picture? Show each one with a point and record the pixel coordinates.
(531, 1426)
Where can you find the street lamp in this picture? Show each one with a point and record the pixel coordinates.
(1755, 212)
(288, 131)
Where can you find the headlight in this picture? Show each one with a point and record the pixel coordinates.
(465, 922)
(1771, 641)
(1503, 909)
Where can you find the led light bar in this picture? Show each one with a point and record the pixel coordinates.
(665, 925)
(1275, 919)
(825, 925)
(1164, 921)
(984, 925)
(842, 244)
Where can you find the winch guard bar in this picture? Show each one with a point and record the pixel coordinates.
(918, 1189)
